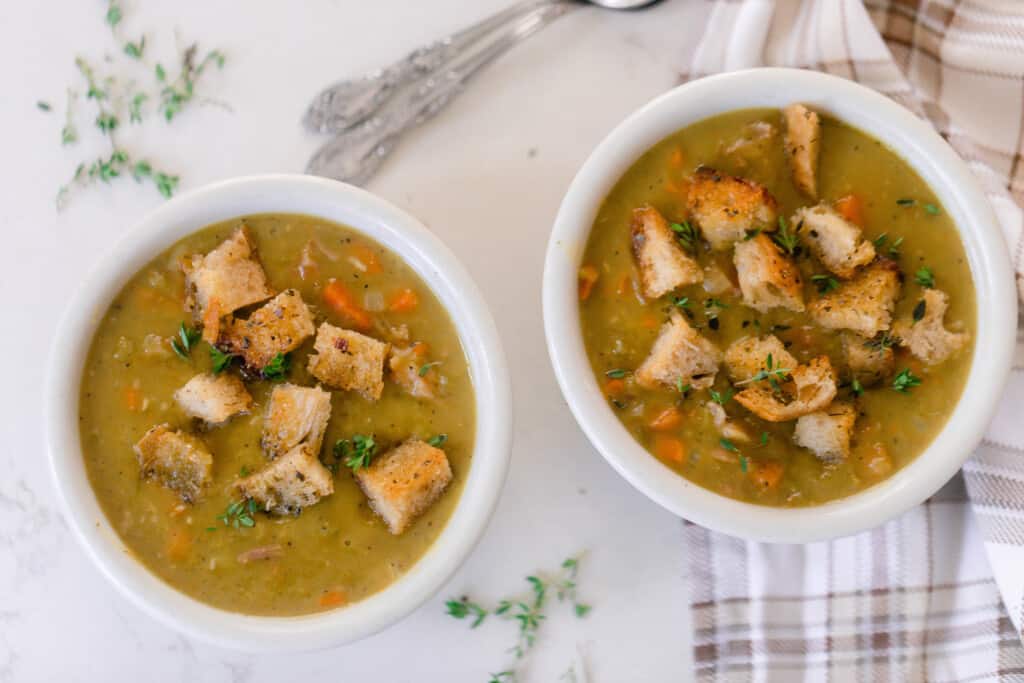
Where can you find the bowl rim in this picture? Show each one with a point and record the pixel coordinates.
(919, 145)
(439, 269)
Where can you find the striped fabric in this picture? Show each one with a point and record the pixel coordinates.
(937, 595)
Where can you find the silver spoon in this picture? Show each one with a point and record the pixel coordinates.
(369, 114)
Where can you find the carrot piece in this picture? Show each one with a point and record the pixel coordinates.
(132, 398)
(367, 257)
(587, 278)
(669, 448)
(666, 420)
(405, 301)
(767, 473)
(421, 349)
(851, 208)
(179, 544)
(333, 598)
(614, 387)
(340, 299)
(624, 284)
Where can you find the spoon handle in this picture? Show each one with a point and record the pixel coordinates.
(351, 101)
(358, 150)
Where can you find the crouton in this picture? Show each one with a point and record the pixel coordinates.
(802, 142)
(348, 360)
(814, 387)
(224, 280)
(863, 304)
(868, 363)
(768, 278)
(679, 354)
(176, 460)
(404, 482)
(718, 282)
(726, 427)
(664, 266)
(213, 398)
(290, 484)
(295, 415)
(927, 338)
(725, 207)
(833, 240)
(827, 432)
(407, 369)
(277, 327)
(747, 356)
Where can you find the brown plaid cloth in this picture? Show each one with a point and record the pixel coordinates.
(938, 594)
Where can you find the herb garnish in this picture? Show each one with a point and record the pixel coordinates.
(43, 106)
(682, 388)
(764, 438)
(681, 301)
(686, 234)
(894, 248)
(182, 344)
(425, 368)
(357, 452)
(825, 283)
(880, 240)
(723, 398)
(925, 277)
(437, 440)
(220, 359)
(239, 513)
(856, 388)
(463, 607)
(931, 209)
(905, 381)
(906, 202)
(768, 372)
(135, 50)
(751, 234)
(179, 92)
(277, 369)
(919, 310)
(784, 238)
(617, 373)
(881, 342)
(728, 445)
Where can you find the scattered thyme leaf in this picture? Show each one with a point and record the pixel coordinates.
(764, 438)
(425, 368)
(786, 240)
(356, 453)
(894, 248)
(682, 388)
(681, 302)
(856, 387)
(721, 398)
(220, 360)
(931, 209)
(686, 234)
(463, 607)
(438, 440)
(925, 277)
(906, 202)
(919, 311)
(114, 14)
(616, 373)
(135, 50)
(182, 344)
(43, 106)
(825, 283)
(728, 445)
(277, 369)
(239, 513)
(905, 381)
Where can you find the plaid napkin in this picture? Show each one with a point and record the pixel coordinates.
(937, 595)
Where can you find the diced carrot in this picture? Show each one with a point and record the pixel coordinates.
(405, 301)
(669, 448)
(614, 387)
(624, 284)
(421, 349)
(367, 257)
(179, 544)
(649, 321)
(132, 398)
(340, 299)
(333, 598)
(767, 473)
(851, 208)
(666, 420)
(211, 321)
(587, 278)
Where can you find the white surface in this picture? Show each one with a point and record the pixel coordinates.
(960, 195)
(425, 254)
(470, 176)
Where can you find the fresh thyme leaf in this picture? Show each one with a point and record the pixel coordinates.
(881, 342)
(856, 387)
(744, 464)
(682, 388)
(906, 202)
(772, 374)
(114, 14)
(239, 513)
(166, 184)
(925, 277)
(507, 676)
(135, 109)
(617, 373)
(825, 283)
(357, 452)
(221, 360)
(68, 134)
(905, 381)
(161, 75)
(764, 438)
(106, 122)
(686, 234)
(786, 240)
(931, 209)
(715, 303)
(681, 301)
(425, 368)
(179, 92)
(135, 50)
(43, 106)
(277, 369)
(462, 608)
(728, 445)
(182, 345)
(721, 398)
(438, 440)
(751, 234)
(919, 311)
(894, 248)
(244, 471)
(880, 240)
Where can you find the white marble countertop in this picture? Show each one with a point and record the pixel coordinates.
(487, 176)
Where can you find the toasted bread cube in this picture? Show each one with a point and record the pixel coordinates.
(224, 280)
(664, 266)
(863, 304)
(725, 207)
(404, 482)
(814, 387)
(869, 363)
(747, 356)
(214, 398)
(827, 432)
(176, 460)
(295, 415)
(927, 338)
(803, 142)
(348, 360)
(833, 240)
(290, 484)
(411, 371)
(277, 327)
(768, 278)
(679, 354)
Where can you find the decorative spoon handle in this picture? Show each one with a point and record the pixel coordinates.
(386, 105)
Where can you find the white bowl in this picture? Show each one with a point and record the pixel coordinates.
(439, 269)
(916, 142)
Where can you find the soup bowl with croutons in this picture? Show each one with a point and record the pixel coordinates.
(778, 303)
(278, 413)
